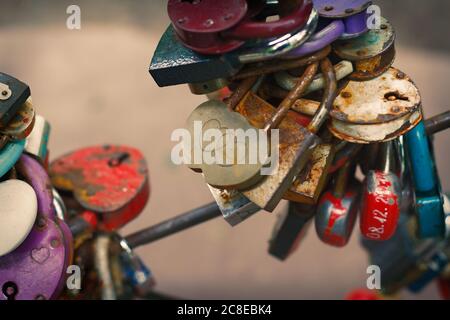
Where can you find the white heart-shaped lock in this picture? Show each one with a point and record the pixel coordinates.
(18, 211)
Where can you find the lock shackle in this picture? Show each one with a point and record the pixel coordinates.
(281, 45)
(387, 158)
(239, 93)
(328, 97)
(284, 107)
(258, 69)
(249, 29)
(319, 40)
(342, 179)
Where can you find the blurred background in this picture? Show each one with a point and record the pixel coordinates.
(94, 88)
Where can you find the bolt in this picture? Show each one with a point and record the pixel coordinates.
(349, 10)
(329, 8)
(401, 75)
(208, 23)
(4, 93)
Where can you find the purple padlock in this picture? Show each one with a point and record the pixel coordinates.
(353, 14)
(36, 269)
(325, 36)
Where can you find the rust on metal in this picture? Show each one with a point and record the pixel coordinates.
(311, 181)
(291, 137)
(371, 133)
(380, 100)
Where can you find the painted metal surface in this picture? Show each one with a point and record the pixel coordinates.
(198, 24)
(17, 214)
(173, 63)
(249, 29)
(380, 100)
(355, 25)
(318, 40)
(380, 205)
(13, 94)
(336, 217)
(111, 181)
(341, 8)
(9, 155)
(372, 53)
(429, 201)
(290, 229)
(22, 123)
(36, 269)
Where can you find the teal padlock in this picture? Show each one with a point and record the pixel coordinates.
(10, 154)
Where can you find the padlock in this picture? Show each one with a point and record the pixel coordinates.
(378, 110)
(9, 155)
(290, 229)
(380, 202)
(407, 261)
(22, 123)
(37, 268)
(353, 13)
(287, 81)
(13, 94)
(234, 206)
(395, 256)
(338, 209)
(111, 181)
(322, 38)
(229, 172)
(18, 214)
(37, 142)
(137, 274)
(174, 64)
(211, 27)
(309, 184)
(372, 53)
(296, 143)
(429, 201)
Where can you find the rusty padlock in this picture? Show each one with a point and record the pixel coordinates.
(378, 110)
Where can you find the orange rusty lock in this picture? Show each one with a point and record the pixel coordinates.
(111, 181)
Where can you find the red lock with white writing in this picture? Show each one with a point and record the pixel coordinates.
(380, 203)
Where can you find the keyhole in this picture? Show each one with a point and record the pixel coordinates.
(117, 160)
(10, 290)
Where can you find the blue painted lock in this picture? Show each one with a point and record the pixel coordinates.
(429, 201)
(174, 64)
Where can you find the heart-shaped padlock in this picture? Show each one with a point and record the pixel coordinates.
(111, 181)
(37, 268)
